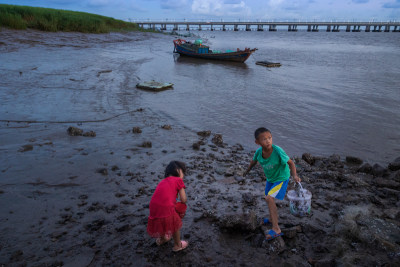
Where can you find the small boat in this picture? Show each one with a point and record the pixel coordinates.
(198, 50)
(154, 86)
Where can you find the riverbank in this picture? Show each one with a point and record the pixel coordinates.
(82, 200)
(53, 20)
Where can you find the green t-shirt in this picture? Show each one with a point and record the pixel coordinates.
(275, 167)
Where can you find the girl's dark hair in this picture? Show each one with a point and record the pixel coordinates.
(260, 131)
(173, 167)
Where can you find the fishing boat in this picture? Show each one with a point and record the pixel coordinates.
(198, 50)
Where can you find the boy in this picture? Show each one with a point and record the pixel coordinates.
(278, 168)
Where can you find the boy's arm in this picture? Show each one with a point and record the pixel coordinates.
(293, 171)
(252, 164)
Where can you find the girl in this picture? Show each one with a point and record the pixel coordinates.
(165, 214)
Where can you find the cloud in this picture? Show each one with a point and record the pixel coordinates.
(173, 4)
(396, 4)
(360, 1)
(220, 7)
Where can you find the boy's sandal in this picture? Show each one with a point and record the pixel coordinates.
(184, 245)
(272, 234)
(266, 221)
(159, 241)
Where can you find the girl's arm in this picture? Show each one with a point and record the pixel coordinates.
(293, 171)
(252, 164)
(182, 195)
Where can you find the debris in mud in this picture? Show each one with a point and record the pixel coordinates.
(196, 146)
(136, 130)
(25, 148)
(103, 71)
(166, 127)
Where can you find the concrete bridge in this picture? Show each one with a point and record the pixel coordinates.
(272, 26)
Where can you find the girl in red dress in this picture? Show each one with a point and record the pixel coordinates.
(165, 213)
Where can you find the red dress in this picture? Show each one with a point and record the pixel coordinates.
(164, 219)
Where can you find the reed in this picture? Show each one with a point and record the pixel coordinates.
(47, 19)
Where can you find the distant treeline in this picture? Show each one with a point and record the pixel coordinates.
(47, 19)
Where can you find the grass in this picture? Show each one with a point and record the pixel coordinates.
(47, 19)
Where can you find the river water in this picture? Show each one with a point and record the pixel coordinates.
(334, 93)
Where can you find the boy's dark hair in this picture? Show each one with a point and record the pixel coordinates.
(260, 131)
(173, 167)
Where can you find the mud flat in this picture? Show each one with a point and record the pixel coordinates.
(73, 199)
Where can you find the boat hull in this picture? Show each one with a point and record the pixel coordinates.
(239, 56)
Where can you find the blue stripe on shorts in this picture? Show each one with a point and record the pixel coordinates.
(276, 190)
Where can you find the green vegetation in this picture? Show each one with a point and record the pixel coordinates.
(47, 19)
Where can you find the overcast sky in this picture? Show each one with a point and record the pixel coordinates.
(303, 10)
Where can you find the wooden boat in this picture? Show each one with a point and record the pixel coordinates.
(198, 50)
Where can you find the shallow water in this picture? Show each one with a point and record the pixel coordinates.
(335, 92)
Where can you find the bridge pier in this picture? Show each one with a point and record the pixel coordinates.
(248, 27)
(328, 28)
(260, 28)
(187, 27)
(348, 28)
(223, 27)
(377, 28)
(175, 27)
(335, 28)
(272, 28)
(367, 28)
(356, 28)
(315, 28)
(235, 27)
(292, 28)
(387, 28)
(199, 27)
(395, 29)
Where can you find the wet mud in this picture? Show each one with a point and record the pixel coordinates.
(71, 200)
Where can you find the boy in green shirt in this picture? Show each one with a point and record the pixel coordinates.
(278, 168)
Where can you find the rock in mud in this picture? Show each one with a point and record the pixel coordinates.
(26, 148)
(378, 170)
(274, 246)
(354, 160)
(103, 171)
(365, 168)
(74, 131)
(136, 130)
(308, 158)
(166, 127)
(249, 199)
(394, 165)
(204, 133)
(89, 134)
(217, 139)
(147, 144)
(196, 146)
(245, 222)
